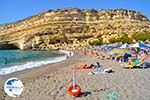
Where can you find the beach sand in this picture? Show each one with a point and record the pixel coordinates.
(50, 82)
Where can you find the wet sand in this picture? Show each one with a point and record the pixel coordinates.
(50, 82)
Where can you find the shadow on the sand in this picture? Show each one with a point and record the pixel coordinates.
(84, 94)
(101, 89)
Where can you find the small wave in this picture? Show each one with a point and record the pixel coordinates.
(29, 65)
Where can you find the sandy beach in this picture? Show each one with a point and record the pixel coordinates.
(50, 82)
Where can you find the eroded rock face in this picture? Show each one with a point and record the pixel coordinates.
(72, 27)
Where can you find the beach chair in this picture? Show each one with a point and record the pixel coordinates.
(135, 64)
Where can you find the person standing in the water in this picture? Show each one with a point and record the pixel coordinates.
(5, 61)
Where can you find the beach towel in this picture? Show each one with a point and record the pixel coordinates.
(85, 66)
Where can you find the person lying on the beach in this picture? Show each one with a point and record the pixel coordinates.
(85, 66)
(109, 70)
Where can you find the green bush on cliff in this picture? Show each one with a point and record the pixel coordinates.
(113, 40)
(97, 41)
(123, 39)
(142, 36)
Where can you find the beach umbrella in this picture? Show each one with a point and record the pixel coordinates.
(140, 45)
(116, 46)
(118, 51)
(102, 46)
(124, 46)
(110, 46)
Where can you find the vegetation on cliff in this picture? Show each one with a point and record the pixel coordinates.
(97, 41)
(142, 36)
(123, 39)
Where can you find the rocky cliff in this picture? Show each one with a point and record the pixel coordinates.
(71, 27)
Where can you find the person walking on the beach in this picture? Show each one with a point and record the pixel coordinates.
(70, 53)
(67, 56)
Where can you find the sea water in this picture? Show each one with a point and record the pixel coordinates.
(17, 60)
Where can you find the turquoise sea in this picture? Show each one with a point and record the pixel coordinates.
(17, 60)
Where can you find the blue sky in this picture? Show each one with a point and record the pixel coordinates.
(13, 10)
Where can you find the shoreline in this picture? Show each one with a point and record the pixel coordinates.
(37, 63)
(29, 70)
(32, 73)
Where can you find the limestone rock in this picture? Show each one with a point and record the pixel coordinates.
(52, 28)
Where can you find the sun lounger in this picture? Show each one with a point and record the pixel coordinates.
(136, 64)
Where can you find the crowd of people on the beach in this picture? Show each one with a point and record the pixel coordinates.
(129, 54)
